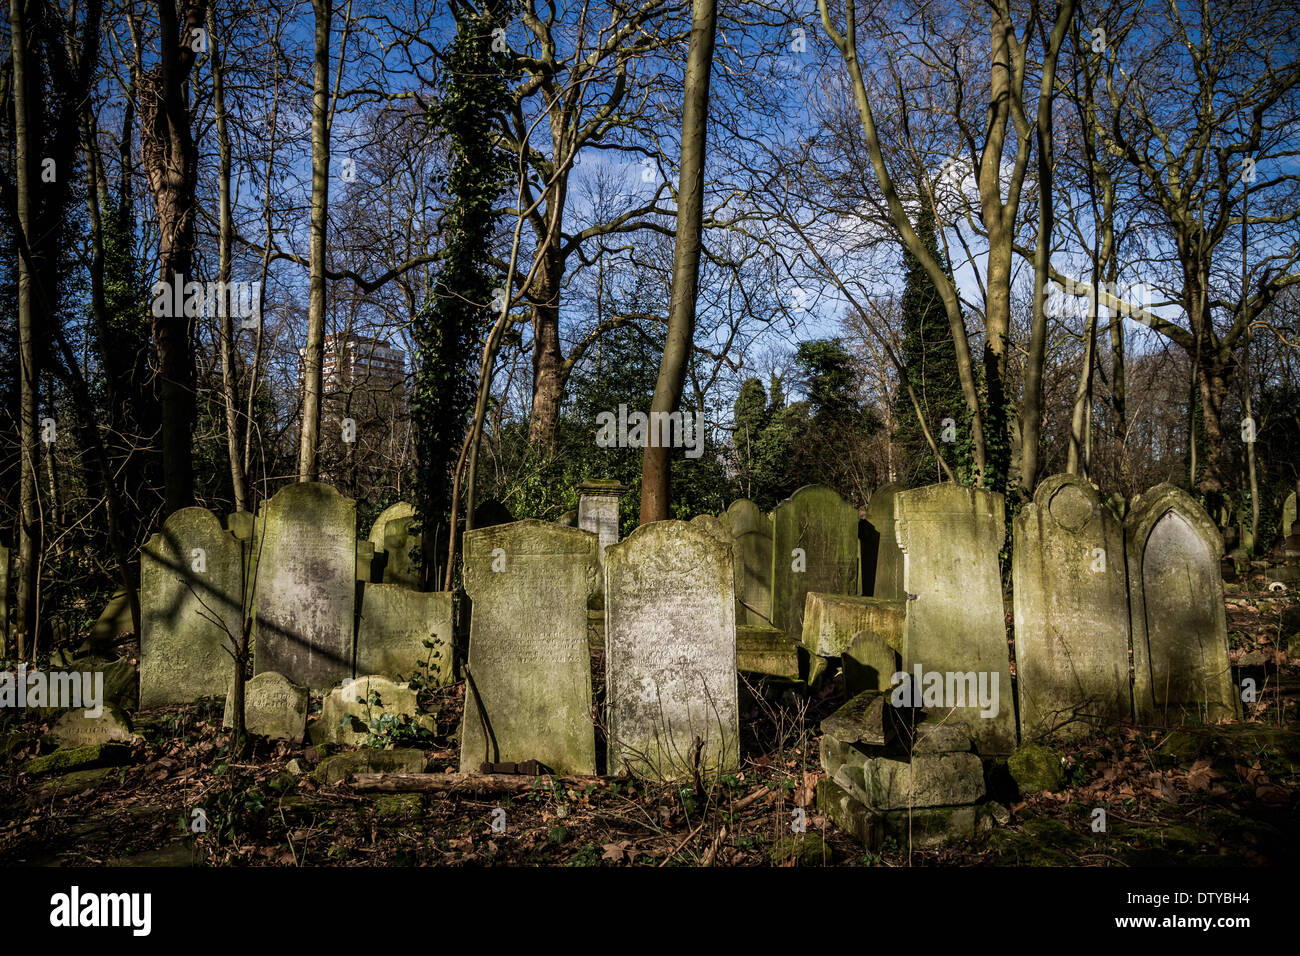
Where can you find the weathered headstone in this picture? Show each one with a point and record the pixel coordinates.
(348, 712)
(950, 536)
(191, 608)
(814, 548)
(395, 622)
(1071, 611)
(670, 638)
(306, 585)
(400, 509)
(529, 680)
(598, 509)
(399, 542)
(365, 558)
(882, 559)
(1180, 634)
(114, 621)
(240, 524)
(831, 621)
(752, 532)
(766, 650)
(76, 729)
(274, 707)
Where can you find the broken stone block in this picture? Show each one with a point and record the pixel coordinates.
(67, 759)
(869, 663)
(861, 720)
(831, 622)
(766, 650)
(1036, 768)
(927, 780)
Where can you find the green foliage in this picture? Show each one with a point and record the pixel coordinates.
(384, 729)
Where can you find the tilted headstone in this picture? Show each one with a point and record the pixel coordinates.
(1071, 611)
(305, 544)
(1180, 634)
(814, 548)
(528, 691)
(670, 659)
(598, 509)
(114, 621)
(395, 622)
(950, 536)
(191, 609)
(399, 542)
(752, 532)
(349, 714)
(882, 559)
(274, 707)
(76, 729)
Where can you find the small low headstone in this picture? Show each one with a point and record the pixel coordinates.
(274, 707)
(1181, 667)
(670, 634)
(598, 509)
(348, 712)
(76, 729)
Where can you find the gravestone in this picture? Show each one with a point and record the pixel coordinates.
(598, 509)
(1071, 611)
(1290, 531)
(114, 621)
(306, 585)
(882, 559)
(670, 659)
(191, 608)
(274, 707)
(365, 559)
(400, 509)
(831, 621)
(348, 712)
(766, 650)
(752, 532)
(1180, 634)
(76, 729)
(814, 548)
(240, 524)
(528, 691)
(399, 542)
(395, 622)
(950, 536)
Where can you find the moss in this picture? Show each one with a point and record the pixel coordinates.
(398, 806)
(804, 849)
(74, 782)
(1036, 768)
(67, 759)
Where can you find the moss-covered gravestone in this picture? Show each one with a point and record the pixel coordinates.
(670, 651)
(950, 536)
(305, 544)
(395, 622)
(1071, 611)
(882, 559)
(399, 542)
(528, 691)
(752, 532)
(351, 713)
(814, 548)
(274, 707)
(400, 509)
(1180, 635)
(191, 586)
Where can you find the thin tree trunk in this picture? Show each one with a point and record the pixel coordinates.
(320, 162)
(655, 464)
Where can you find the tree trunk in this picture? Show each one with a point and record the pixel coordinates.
(29, 528)
(686, 255)
(320, 164)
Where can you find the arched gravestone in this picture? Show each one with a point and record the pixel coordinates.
(529, 680)
(191, 608)
(670, 638)
(1071, 608)
(950, 536)
(752, 532)
(305, 554)
(399, 542)
(399, 509)
(823, 527)
(1180, 633)
(882, 559)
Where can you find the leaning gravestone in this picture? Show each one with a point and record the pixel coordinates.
(950, 536)
(1180, 634)
(814, 548)
(529, 667)
(394, 624)
(1071, 611)
(76, 729)
(670, 637)
(191, 608)
(752, 532)
(882, 560)
(274, 707)
(306, 585)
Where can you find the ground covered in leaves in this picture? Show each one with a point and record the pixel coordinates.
(1196, 795)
